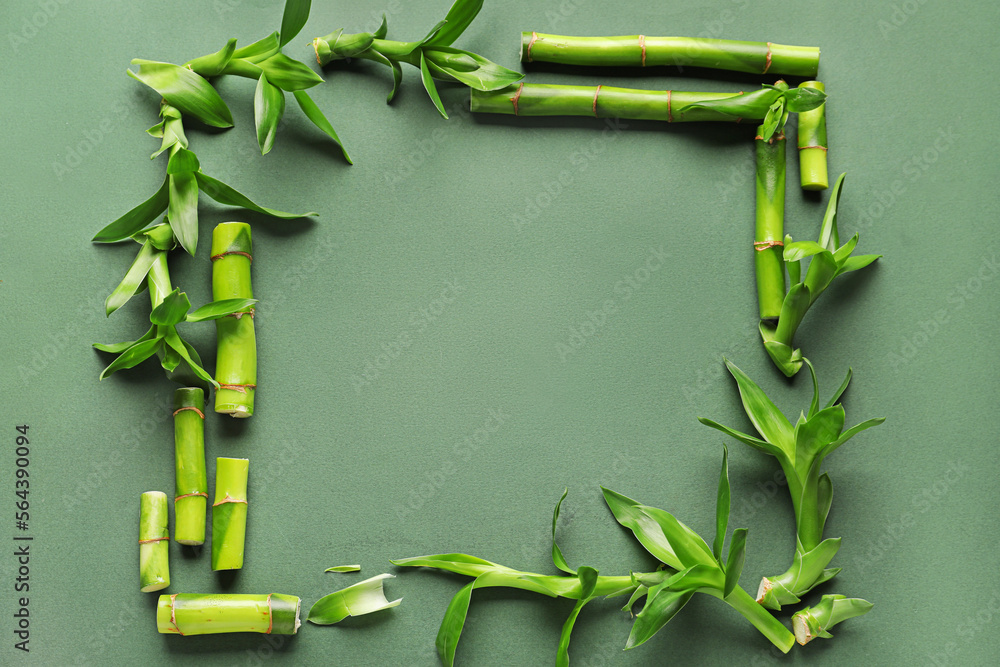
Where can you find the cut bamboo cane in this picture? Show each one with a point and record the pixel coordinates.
(236, 365)
(229, 513)
(812, 144)
(154, 542)
(191, 614)
(190, 479)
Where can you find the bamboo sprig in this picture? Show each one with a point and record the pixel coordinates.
(800, 450)
(190, 614)
(816, 621)
(812, 144)
(433, 55)
(672, 106)
(645, 51)
(187, 86)
(190, 479)
(154, 542)
(689, 566)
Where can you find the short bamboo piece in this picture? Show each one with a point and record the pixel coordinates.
(812, 144)
(190, 614)
(154, 542)
(190, 479)
(229, 513)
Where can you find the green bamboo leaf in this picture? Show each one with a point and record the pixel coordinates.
(170, 130)
(259, 50)
(844, 251)
(829, 236)
(662, 604)
(383, 29)
(365, 597)
(799, 250)
(425, 76)
(268, 107)
(343, 568)
(794, 268)
(756, 443)
(588, 580)
(763, 413)
(397, 73)
(314, 114)
(213, 64)
(171, 310)
(220, 308)
(138, 218)
(457, 563)
(722, 508)
(751, 105)
(183, 209)
(850, 433)
(469, 68)
(169, 359)
(557, 556)
(452, 624)
(289, 74)
(459, 17)
(225, 194)
(182, 88)
(118, 348)
(160, 237)
(690, 548)
(822, 270)
(183, 161)
(855, 263)
(804, 99)
(843, 387)
(814, 405)
(134, 279)
(824, 494)
(628, 513)
(173, 340)
(774, 119)
(734, 562)
(819, 431)
(132, 356)
(293, 19)
(430, 35)
(185, 375)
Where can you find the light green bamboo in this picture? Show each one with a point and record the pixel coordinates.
(536, 99)
(236, 365)
(643, 51)
(191, 614)
(816, 621)
(190, 479)
(154, 542)
(769, 227)
(812, 144)
(229, 513)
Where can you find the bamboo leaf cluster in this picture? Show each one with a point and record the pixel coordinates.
(433, 55)
(801, 450)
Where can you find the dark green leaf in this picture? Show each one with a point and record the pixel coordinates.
(801, 249)
(690, 548)
(169, 359)
(213, 64)
(314, 114)
(829, 236)
(804, 99)
(383, 29)
(184, 89)
(843, 387)
(430, 35)
(268, 107)
(118, 348)
(134, 278)
(295, 16)
(662, 604)
(451, 625)
(764, 414)
(459, 17)
(814, 405)
(469, 68)
(138, 218)
(824, 494)
(183, 209)
(751, 105)
(844, 251)
(588, 580)
(173, 340)
(722, 507)
(850, 433)
(773, 120)
(260, 50)
(822, 269)
(425, 76)
(857, 262)
(734, 562)
(220, 308)
(289, 74)
(172, 310)
(183, 161)
(185, 375)
(557, 556)
(132, 356)
(224, 194)
(397, 73)
(820, 430)
(756, 443)
(628, 513)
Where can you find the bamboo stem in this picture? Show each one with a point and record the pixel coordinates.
(236, 365)
(761, 619)
(812, 144)
(191, 614)
(535, 99)
(154, 542)
(769, 227)
(643, 51)
(229, 513)
(190, 479)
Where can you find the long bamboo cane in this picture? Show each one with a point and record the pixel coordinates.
(191, 614)
(236, 365)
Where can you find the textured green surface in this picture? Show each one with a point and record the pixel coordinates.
(430, 213)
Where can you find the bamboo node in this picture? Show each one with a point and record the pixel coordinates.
(229, 499)
(764, 245)
(241, 313)
(642, 45)
(822, 148)
(153, 539)
(242, 388)
(767, 62)
(173, 614)
(232, 252)
(516, 97)
(189, 495)
(670, 113)
(597, 92)
(531, 42)
(270, 614)
(200, 413)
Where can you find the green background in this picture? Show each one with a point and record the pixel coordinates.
(343, 472)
